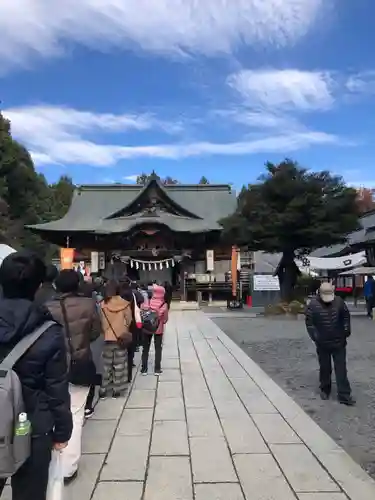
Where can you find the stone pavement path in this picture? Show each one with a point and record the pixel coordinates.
(214, 426)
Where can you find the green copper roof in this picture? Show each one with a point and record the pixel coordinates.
(94, 206)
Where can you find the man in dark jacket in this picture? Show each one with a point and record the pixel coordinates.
(82, 326)
(128, 292)
(47, 291)
(369, 293)
(42, 371)
(328, 325)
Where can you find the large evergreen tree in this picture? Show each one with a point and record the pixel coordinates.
(204, 180)
(144, 178)
(292, 211)
(25, 196)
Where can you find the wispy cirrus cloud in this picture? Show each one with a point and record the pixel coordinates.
(41, 28)
(62, 136)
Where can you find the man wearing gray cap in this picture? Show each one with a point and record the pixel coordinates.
(328, 324)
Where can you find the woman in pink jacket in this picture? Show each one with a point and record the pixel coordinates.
(157, 304)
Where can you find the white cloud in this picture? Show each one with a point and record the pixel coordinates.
(60, 136)
(64, 123)
(131, 178)
(42, 28)
(362, 83)
(284, 90)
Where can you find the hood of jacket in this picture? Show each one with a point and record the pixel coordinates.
(115, 304)
(158, 294)
(20, 317)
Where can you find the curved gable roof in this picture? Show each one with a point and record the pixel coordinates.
(92, 204)
(132, 208)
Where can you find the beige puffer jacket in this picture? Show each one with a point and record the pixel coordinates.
(116, 318)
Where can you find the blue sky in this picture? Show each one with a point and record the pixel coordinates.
(105, 90)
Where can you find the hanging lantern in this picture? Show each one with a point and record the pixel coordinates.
(131, 264)
(161, 265)
(167, 264)
(149, 266)
(156, 265)
(143, 266)
(172, 262)
(137, 265)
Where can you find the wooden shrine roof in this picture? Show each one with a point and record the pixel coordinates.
(102, 209)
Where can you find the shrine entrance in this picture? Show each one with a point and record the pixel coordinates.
(165, 270)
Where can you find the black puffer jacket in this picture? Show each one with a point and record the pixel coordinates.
(42, 370)
(328, 324)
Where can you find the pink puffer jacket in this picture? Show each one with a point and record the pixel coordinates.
(157, 303)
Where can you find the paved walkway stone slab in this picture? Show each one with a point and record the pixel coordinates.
(83, 486)
(169, 390)
(109, 409)
(261, 478)
(218, 492)
(203, 422)
(141, 399)
(97, 436)
(127, 459)
(135, 422)
(275, 430)
(211, 461)
(302, 469)
(169, 478)
(170, 375)
(322, 496)
(118, 491)
(247, 439)
(169, 438)
(243, 436)
(170, 409)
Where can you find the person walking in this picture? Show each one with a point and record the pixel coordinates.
(157, 304)
(130, 294)
(369, 293)
(80, 319)
(47, 291)
(42, 371)
(328, 325)
(116, 320)
(168, 293)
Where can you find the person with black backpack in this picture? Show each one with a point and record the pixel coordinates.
(33, 346)
(154, 318)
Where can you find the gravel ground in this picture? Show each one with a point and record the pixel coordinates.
(285, 352)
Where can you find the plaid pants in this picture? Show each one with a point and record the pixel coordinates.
(115, 367)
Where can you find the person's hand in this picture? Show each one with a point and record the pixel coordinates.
(59, 446)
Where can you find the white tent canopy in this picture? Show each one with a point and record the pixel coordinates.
(334, 263)
(5, 250)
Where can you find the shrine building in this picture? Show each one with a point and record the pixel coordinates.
(151, 233)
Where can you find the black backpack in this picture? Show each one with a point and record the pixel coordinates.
(150, 320)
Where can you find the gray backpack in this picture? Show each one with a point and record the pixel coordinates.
(14, 449)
